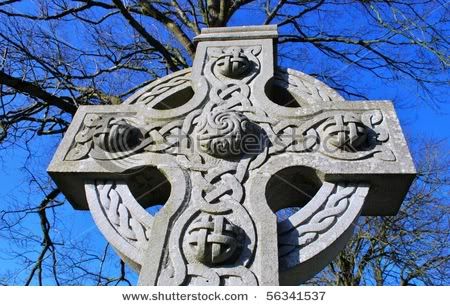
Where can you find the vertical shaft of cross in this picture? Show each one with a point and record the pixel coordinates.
(217, 238)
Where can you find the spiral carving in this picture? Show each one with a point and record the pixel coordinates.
(220, 133)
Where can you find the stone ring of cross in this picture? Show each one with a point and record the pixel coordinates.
(261, 171)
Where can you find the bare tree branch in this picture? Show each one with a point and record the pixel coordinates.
(37, 92)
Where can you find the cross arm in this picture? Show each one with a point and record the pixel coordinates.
(109, 142)
(352, 141)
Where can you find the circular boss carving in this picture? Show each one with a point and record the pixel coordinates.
(345, 132)
(233, 64)
(213, 239)
(118, 135)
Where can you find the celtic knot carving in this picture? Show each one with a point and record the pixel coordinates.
(323, 218)
(345, 131)
(218, 234)
(105, 134)
(233, 63)
(118, 214)
(214, 240)
(315, 230)
(175, 82)
(112, 137)
(84, 138)
(307, 90)
(342, 135)
(321, 214)
(354, 136)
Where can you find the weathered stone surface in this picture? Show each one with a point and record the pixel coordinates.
(225, 145)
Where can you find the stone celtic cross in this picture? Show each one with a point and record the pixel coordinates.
(225, 146)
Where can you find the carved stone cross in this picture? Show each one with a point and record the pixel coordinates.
(225, 146)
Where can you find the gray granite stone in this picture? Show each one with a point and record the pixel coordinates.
(225, 145)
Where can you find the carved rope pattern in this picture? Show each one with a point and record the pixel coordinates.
(321, 221)
(305, 87)
(119, 215)
(181, 79)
